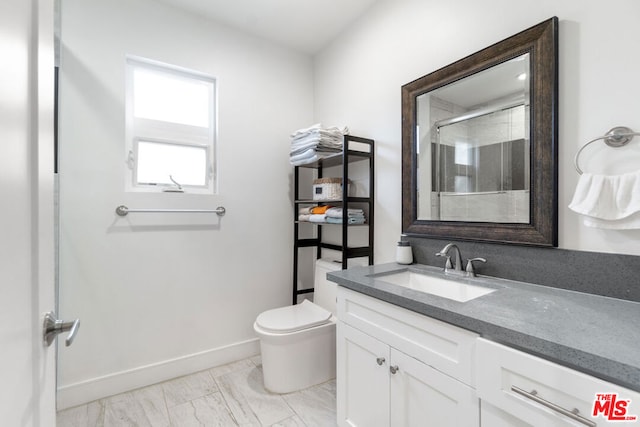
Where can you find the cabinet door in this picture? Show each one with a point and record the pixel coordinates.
(362, 379)
(422, 396)
(492, 416)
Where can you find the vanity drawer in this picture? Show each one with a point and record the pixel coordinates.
(506, 378)
(446, 348)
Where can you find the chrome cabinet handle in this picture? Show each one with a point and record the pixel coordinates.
(573, 414)
(380, 360)
(52, 327)
(394, 369)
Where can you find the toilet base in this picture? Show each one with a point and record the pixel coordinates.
(298, 360)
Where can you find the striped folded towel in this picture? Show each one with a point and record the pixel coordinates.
(351, 213)
(350, 220)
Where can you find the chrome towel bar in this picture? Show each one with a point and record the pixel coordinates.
(619, 136)
(122, 210)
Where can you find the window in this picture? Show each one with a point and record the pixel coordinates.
(171, 128)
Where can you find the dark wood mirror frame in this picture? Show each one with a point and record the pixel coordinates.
(541, 41)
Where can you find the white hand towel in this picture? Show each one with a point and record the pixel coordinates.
(628, 223)
(608, 200)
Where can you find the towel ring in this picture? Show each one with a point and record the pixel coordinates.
(619, 136)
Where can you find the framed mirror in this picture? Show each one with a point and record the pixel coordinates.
(479, 144)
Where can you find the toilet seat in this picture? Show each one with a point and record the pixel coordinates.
(293, 318)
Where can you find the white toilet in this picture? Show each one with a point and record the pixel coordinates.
(298, 342)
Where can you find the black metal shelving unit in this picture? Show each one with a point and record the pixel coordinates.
(355, 149)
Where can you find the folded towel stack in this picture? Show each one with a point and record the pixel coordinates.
(314, 143)
(331, 215)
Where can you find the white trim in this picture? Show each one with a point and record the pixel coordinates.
(119, 382)
(151, 187)
(165, 67)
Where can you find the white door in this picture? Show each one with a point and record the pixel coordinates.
(27, 366)
(423, 396)
(362, 379)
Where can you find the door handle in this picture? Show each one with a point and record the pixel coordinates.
(52, 327)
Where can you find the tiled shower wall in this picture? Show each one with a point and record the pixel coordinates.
(499, 206)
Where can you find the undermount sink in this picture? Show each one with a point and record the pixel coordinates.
(440, 286)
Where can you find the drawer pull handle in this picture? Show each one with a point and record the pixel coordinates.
(394, 369)
(380, 360)
(533, 395)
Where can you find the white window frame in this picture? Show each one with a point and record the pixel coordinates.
(163, 132)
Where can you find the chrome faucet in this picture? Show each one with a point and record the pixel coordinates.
(448, 267)
(457, 270)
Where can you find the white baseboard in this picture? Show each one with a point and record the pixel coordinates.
(97, 388)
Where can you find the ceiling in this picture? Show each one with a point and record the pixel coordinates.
(304, 25)
(485, 87)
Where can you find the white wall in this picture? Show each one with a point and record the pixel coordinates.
(161, 295)
(358, 80)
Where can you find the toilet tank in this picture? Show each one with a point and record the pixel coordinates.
(325, 291)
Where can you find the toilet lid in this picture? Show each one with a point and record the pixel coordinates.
(293, 318)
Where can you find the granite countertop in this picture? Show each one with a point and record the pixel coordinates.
(596, 335)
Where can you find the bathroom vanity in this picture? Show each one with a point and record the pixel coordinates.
(508, 354)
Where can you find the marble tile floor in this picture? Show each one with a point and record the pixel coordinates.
(229, 395)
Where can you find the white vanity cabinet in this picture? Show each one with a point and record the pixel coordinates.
(398, 368)
(518, 389)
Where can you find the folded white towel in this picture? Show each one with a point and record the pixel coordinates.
(301, 148)
(307, 154)
(314, 143)
(318, 218)
(310, 156)
(306, 130)
(628, 223)
(609, 197)
(304, 161)
(318, 127)
(327, 137)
